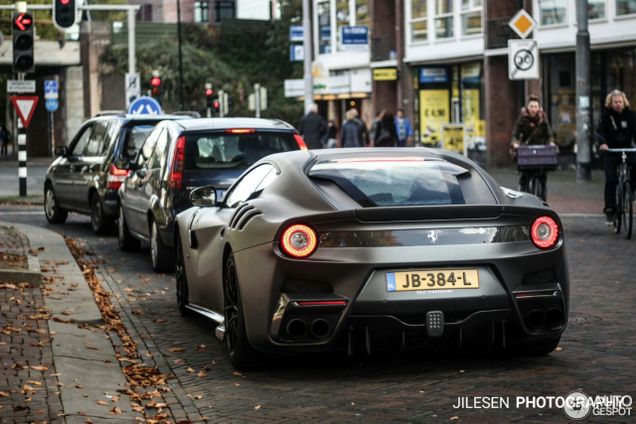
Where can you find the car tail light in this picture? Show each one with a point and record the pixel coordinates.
(322, 303)
(116, 176)
(240, 131)
(544, 232)
(176, 175)
(300, 142)
(299, 241)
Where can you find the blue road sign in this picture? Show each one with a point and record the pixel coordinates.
(296, 33)
(145, 106)
(296, 52)
(51, 89)
(355, 35)
(51, 104)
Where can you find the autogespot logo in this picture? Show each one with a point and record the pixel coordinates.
(577, 405)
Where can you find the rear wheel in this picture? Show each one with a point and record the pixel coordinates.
(161, 255)
(101, 223)
(127, 242)
(181, 279)
(242, 354)
(628, 209)
(53, 212)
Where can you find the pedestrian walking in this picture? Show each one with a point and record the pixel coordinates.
(532, 127)
(404, 129)
(384, 134)
(331, 136)
(5, 139)
(354, 132)
(616, 130)
(312, 127)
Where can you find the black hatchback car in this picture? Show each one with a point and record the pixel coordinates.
(88, 173)
(179, 156)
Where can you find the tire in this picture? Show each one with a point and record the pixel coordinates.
(161, 255)
(618, 211)
(242, 354)
(101, 223)
(181, 279)
(628, 213)
(53, 212)
(127, 242)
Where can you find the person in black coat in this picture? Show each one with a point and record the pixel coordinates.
(313, 127)
(616, 130)
(384, 134)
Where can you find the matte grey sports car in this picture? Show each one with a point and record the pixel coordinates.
(354, 249)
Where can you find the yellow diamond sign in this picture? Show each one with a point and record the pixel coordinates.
(522, 23)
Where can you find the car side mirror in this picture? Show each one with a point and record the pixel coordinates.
(203, 197)
(60, 151)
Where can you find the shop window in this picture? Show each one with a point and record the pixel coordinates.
(201, 11)
(471, 17)
(443, 19)
(625, 7)
(552, 12)
(362, 12)
(418, 23)
(323, 12)
(595, 9)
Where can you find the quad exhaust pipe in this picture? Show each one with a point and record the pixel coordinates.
(551, 319)
(319, 328)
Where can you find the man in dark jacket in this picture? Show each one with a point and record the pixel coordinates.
(313, 127)
(354, 132)
(617, 130)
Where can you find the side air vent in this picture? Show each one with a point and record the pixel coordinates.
(242, 215)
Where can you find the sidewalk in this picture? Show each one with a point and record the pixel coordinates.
(58, 363)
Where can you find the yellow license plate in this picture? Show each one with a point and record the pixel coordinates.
(432, 279)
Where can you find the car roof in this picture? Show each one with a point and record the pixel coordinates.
(199, 124)
(367, 153)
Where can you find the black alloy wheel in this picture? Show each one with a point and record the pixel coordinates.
(127, 242)
(242, 354)
(181, 279)
(101, 223)
(53, 212)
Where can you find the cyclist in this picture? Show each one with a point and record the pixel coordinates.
(532, 127)
(616, 130)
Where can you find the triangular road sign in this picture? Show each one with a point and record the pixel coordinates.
(24, 106)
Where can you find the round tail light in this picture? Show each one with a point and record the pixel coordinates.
(544, 232)
(298, 241)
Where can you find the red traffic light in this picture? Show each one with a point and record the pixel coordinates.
(209, 92)
(65, 13)
(216, 104)
(155, 81)
(22, 21)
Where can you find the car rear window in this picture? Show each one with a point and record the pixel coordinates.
(135, 136)
(404, 181)
(216, 150)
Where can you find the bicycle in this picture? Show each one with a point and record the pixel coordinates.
(535, 161)
(624, 208)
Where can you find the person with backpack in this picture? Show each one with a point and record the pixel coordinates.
(353, 132)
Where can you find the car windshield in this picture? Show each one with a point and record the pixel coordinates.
(228, 150)
(401, 181)
(135, 136)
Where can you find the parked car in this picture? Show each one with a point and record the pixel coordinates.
(356, 249)
(180, 155)
(88, 172)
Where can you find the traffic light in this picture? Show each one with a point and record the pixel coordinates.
(216, 105)
(155, 84)
(22, 29)
(64, 13)
(209, 97)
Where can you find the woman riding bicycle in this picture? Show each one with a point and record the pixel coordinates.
(532, 127)
(616, 130)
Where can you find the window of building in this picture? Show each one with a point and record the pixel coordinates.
(471, 17)
(362, 12)
(342, 18)
(443, 19)
(625, 7)
(595, 9)
(144, 13)
(552, 12)
(323, 13)
(201, 11)
(224, 10)
(418, 22)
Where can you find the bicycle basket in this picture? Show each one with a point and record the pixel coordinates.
(537, 156)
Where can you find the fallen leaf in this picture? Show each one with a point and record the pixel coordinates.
(455, 418)
(116, 410)
(257, 407)
(201, 374)
(558, 349)
(237, 374)
(201, 347)
(102, 402)
(5, 394)
(175, 349)
(190, 370)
